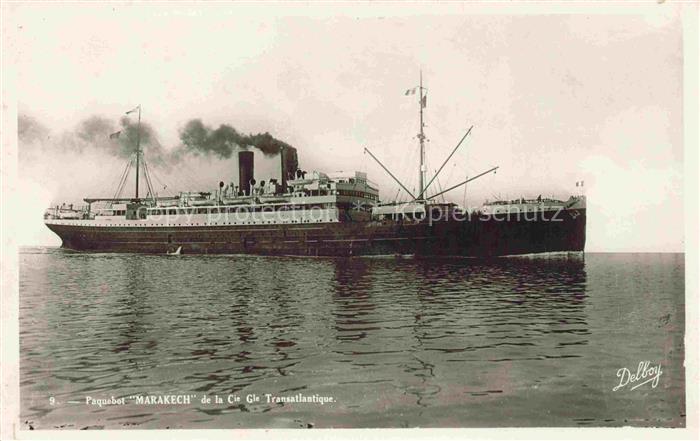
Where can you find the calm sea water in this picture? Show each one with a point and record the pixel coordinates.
(395, 342)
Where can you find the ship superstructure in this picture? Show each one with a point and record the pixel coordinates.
(310, 199)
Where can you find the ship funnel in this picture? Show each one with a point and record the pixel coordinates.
(283, 170)
(245, 171)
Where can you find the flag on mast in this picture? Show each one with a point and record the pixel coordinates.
(424, 100)
(134, 109)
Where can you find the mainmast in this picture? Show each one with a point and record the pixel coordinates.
(421, 137)
(138, 149)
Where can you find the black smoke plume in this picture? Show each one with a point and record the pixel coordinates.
(225, 140)
(120, 140)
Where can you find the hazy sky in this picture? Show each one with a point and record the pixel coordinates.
(554, 99)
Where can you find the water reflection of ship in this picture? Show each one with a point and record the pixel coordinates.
(353, 299)
(509, 314)
(259, 347)
(273, 337)
(518, 309)
(132, 307)
(533, 297)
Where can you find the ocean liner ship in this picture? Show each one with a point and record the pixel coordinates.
(317, 214)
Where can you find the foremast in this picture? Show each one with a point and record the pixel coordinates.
(421, 138)
(139, 158)
(140, 161)
(138, 148)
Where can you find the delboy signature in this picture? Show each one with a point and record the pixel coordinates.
(645, 374)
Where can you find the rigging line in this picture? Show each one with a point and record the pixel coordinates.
(464, 203)
(389, 172)
(437, 179)
(146, 173)
(466, 177)
(184, 182)
(174, 183)
(184, 174)
(153, 187)
(150, 179)
(189, 180)
(446, 160)
(122, 182)
(454, 166)
(145, 178)
(468, 171)
(121, 178)
(404, 167)
(148, 183)
(408, 167)
(391, 185)
(202, 184)
(126, 172)
(123, 186)
(406, 164)
(492, 169)
(120, 175)
(398, 191)
(126, 178)
(155, 175)
(152, 174)
(411, 166)
(427, 168)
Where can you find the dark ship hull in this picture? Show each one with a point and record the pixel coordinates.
(477, 236)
